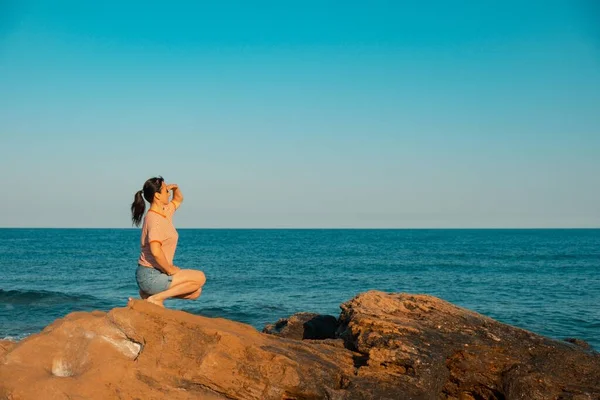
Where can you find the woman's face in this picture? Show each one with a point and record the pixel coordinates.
(163, 195)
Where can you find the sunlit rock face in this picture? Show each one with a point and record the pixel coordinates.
(382, 346)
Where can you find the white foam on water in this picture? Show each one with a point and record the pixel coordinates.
(16, 338)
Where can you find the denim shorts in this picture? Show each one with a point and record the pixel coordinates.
(151, 280)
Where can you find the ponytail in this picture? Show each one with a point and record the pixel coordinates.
(151, 186)
(137, 208)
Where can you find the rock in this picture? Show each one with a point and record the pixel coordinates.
(304, 326)
(430, 347)
(578, 342)
(5, 346)
(147, 352)
(388, 346)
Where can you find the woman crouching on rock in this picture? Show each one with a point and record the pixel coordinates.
(157, 278)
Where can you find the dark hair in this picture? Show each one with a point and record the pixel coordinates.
(151, 186)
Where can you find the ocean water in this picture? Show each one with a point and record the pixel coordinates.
(545, 281)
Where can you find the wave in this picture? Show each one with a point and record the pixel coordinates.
(42, 296)
(15, 338)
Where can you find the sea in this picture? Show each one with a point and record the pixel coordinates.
(544, 280)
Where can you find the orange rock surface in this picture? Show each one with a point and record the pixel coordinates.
(387, 346)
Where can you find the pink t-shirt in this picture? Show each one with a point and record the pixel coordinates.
(158, 227)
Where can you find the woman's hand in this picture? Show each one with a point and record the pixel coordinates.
(177, 195)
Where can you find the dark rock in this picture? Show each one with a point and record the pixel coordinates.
(320, 327)
(304, 326)
(581, 343)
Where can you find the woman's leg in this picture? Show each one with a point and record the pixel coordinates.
(190, 296)
(186, 283)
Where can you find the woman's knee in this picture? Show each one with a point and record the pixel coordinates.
(193, 275)
(200, 277)
(189, 275)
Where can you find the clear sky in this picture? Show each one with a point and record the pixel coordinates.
(302, 114)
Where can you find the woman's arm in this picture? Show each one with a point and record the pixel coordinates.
(159, 256)
(177, 195)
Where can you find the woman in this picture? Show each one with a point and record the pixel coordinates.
(157, 278)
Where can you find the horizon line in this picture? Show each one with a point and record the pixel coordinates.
(318, 228)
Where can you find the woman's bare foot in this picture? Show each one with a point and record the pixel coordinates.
(153, 300)
(144, 295)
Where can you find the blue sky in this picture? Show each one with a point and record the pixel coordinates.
(302, 114)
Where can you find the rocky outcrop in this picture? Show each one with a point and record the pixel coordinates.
(433, 349)
(385, 346)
